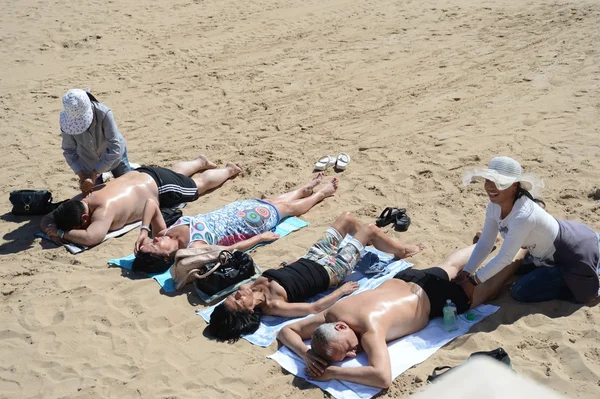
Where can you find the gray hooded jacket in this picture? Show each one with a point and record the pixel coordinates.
(99, 148)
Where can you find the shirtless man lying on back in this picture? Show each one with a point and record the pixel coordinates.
(367, 321)
(87, 220)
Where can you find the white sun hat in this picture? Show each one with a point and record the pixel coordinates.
(504, 172)
(77, 115)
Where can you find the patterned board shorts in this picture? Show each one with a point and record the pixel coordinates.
(339, 262)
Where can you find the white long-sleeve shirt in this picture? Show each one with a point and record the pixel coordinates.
(527, 226)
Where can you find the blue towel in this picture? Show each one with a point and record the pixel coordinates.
(164, 279)
(373, 269)
(285, 227)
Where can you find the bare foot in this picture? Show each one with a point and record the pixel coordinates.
(205, 162)
(235, 170)
(330, 188)
(316, 180)
(307, 189)
(412, 250)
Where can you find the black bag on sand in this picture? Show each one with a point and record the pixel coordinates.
(498, 354)
(31, 202)
(233, 267)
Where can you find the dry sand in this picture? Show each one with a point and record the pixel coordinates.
(415, 91)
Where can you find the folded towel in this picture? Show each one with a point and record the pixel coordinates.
(404, 353)
(373, 269)
(284, 228)
(76, 248)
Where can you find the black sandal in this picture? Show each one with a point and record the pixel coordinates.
(402, 222)
(389, 215)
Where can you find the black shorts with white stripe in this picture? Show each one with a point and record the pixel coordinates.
(173, 188)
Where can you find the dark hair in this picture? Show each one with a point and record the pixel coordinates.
(230, 325)
(522, 192)
(68, 214)
(152, 263)
(91, 97)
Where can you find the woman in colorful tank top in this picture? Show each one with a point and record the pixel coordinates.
(240, 225)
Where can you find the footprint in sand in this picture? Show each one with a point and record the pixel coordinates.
(58, 317)
(530, 120)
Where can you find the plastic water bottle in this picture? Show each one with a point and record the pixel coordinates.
(449, 312)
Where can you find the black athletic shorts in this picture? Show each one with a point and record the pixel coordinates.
(173, 188)
(438, 287)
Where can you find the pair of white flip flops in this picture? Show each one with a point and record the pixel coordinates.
(340, 162)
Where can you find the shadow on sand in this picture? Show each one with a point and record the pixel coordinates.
(22, 237)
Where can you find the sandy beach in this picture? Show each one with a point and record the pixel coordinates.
(415, 91)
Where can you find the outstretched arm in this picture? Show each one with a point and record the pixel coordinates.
(485, 244)
(489, 290)
(69, 146)
(377, 374)
(253, 241)
(519, 230)
(286, 309)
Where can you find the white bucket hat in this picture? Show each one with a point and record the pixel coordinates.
(504, 172)
(78, 114)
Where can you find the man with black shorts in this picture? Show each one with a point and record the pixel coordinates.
(110, 206)
(367, 321)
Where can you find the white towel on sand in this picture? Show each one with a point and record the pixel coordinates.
(404, 353)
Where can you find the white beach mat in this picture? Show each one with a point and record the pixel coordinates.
(404, 353)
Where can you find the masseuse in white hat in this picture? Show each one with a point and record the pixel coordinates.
(568, 253)
(91, 141)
